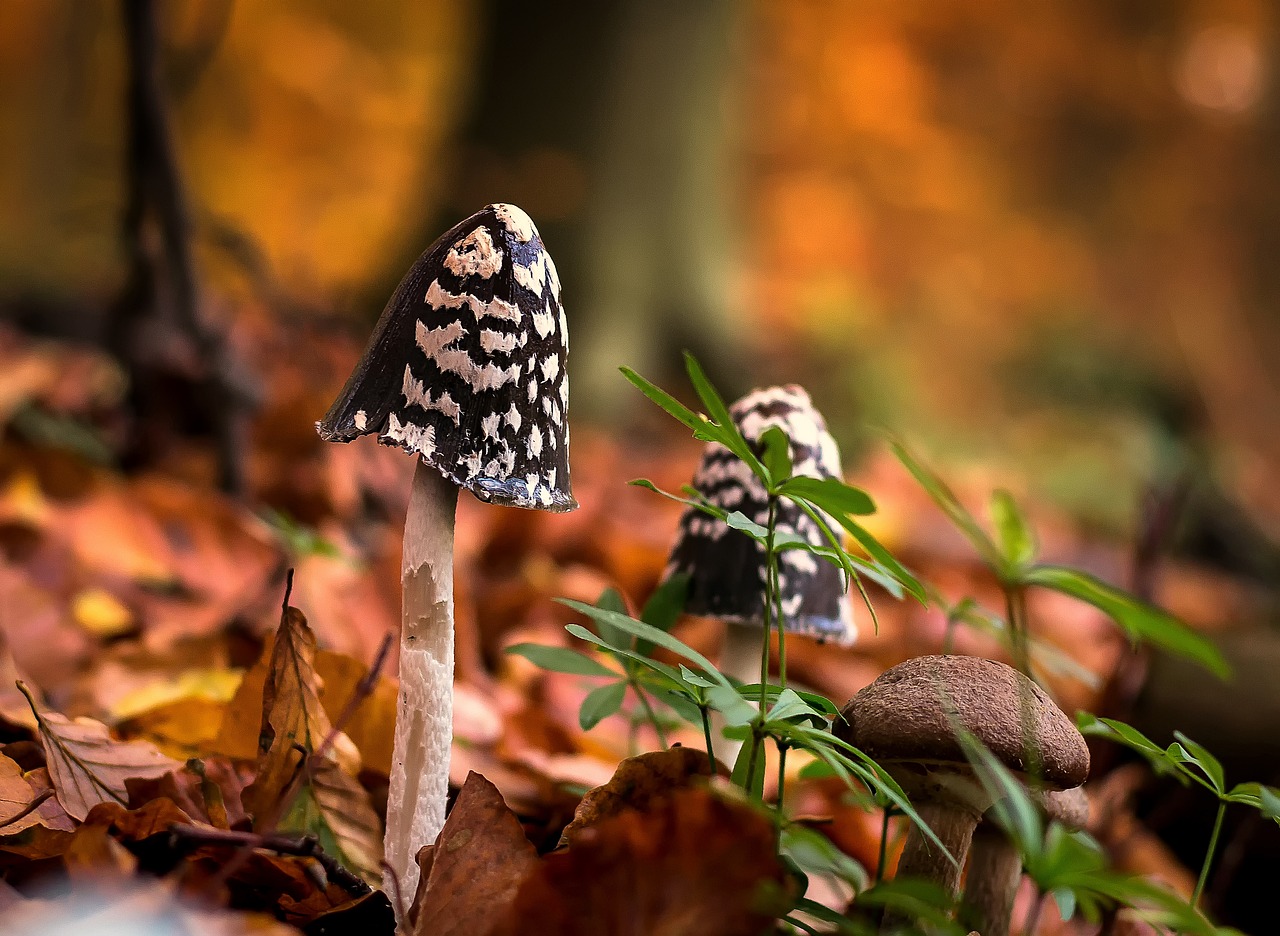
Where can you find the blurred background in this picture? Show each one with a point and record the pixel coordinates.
(1038, 241)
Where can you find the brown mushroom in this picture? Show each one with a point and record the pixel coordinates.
(995, 867)
(907, 720)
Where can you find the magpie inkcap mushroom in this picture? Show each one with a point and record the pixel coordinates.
(466, 366)
(466, 371)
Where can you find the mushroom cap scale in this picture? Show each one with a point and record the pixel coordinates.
(905, 717)
(726, 568)
(466, 366)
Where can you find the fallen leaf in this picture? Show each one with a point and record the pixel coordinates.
(133, 825)
(476, 865)
(335, 808)
(637, 783)
(692, 863)
(372, 726)
(93, 857)
(46, 831)
(293, 723)
(87, 766)
(101, 613)
(207, 790)
(16, 798)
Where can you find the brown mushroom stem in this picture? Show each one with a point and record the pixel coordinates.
(739, 658)
(991, 882)
(921, 857)
(424, 720)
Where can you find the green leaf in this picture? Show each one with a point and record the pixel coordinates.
(817, 854)
(789, 705)
(1065, 898)
(1139, 619)
(611, 600)
(666, 675)
(730, 436)
(561, 660)
(695, 679)
(731, 703)
(830, 494)
(748, 772)
(1209, 765)
(666, 604)
(646, 632)
(950, 505)
(1013, 808)
(777, 454)
(667, 402)
(885, 558)
(601, 703)
(821, 703)
(917, 898)
(1016, 540)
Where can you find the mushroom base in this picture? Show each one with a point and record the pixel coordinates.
(921, 858)
(424, 718)
(990, 882)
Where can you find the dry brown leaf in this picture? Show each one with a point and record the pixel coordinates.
(87, 766)
(475, 867)
(95, 858)
(293, 723)
(16, 798)
(325, 800)
(207, 790)
(693, 863)
(50, 831)
(638, 782)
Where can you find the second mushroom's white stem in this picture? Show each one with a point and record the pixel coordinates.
(739, 658)
(424, 719)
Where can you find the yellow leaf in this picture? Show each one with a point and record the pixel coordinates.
(208, 685)
(101, 613)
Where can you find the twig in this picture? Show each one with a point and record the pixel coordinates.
(303, 846)
(364, 688)
(154, 188)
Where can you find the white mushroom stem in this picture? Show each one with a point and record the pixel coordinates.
(739, 658)
(424, 718)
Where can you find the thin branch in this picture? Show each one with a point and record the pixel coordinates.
(303, 846)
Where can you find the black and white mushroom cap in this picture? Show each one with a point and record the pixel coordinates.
(726, 568)
(466, 366)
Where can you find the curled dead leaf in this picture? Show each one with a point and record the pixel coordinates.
(691, 863)
(637, 783)
(475, 867)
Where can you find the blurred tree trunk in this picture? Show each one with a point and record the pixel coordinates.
(621, 108)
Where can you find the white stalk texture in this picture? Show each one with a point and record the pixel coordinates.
(739, 658)
(424, 720)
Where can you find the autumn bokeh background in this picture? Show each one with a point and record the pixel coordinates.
(1038, 241)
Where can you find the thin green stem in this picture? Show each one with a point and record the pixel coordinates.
(884, 842)
(706, 733)
(1208, 855)
(769, 602)
(1016, 613)
(649, 712)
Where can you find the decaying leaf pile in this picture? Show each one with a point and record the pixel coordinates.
(175, 745)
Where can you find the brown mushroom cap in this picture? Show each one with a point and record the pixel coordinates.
(905, 716)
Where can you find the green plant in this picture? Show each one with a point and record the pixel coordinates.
(1070, 867)
(1189, 762)
(1012, 556)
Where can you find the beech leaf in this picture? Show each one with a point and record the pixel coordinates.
(691, 863)
(335, 808)
(638, 782)
(476, 866)
(88, 766)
